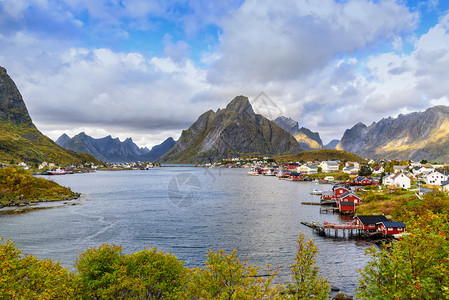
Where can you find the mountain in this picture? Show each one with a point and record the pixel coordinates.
(20, 140)
(64, 138)
(331, 145)
(415, 136)
(231, 132)
(111, 150)
(307, 139)
(159, 150)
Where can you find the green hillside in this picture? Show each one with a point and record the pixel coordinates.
(22, 142)
(320, 155)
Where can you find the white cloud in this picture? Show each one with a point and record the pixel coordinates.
(264, 41)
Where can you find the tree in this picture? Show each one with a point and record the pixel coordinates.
(26, 277)
(107, 273)
(416, 267)
(307, 285)
(365, 171)
(225, 277)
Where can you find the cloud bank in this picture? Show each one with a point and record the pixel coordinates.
(148, 69)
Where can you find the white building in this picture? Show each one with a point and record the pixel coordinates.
(305, 169)
(435, 178)
(398, 179)
(329, 166)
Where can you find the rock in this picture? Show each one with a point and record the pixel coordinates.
(342, 296)
(231, 132)
(415, 136)
(334, 289)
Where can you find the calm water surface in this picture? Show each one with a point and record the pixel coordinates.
(188, 211)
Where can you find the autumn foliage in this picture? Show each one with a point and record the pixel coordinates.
(107, 273)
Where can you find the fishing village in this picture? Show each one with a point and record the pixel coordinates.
(342, 198)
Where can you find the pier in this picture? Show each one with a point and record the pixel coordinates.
(325, 229)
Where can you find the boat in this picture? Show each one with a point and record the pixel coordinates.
(253, 173)
(316, 192)
(58, 171)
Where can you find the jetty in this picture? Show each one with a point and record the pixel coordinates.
(326, 228)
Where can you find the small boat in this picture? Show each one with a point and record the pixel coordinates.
(253, 173)
(58, 171)
(316, 192)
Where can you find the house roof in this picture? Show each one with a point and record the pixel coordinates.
(392, 224)
(444, 183)
(400, 167)
(371, 219)
(398, 174)
(347, 194)
(331, 163)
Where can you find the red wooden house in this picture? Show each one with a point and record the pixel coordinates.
(349, 197)
(369, 222)
(292, 166)
(339, 190)
(296, 176)
(389, 228)
(362, 180)
(346, 207)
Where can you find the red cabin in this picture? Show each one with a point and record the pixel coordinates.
(369, 222)
(292, 166)
(350, 197)
(346, 207)
(338, 191)
(389, 228)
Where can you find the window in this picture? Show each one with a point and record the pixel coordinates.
(390, 229)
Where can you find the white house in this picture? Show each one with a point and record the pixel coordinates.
(351, 170)
(305, 169)
(436, 178)
(352, 164)
(329, 166)
(422, 171)
(398, 169)
(398, 179)
(378, 170)
(445, 186)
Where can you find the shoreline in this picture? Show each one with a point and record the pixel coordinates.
(40, 204)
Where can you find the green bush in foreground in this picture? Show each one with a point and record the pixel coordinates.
(107, 273)
(416, 267)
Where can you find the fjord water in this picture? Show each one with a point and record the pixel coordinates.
(187, 211)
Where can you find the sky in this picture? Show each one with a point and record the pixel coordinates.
(147, 69)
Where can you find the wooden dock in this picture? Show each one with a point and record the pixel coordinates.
(310, 203)
(325, 229)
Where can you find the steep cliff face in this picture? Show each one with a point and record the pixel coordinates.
(307, 139)
(20, 140)
(416, 136)
(230, 132)
(113, 150)
(12, 106)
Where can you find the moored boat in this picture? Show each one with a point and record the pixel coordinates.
(58, 171)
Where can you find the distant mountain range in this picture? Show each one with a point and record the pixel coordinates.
(307, 139)
(20, 140)
(415, 136)
(231, 132)
(113, 150)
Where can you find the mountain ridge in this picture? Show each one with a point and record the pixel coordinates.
(414, 136)
(113, 150)
(230, 132)
(307, 139)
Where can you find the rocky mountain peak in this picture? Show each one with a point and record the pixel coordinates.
(12, 106)
(288, 124)
(240, 105)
